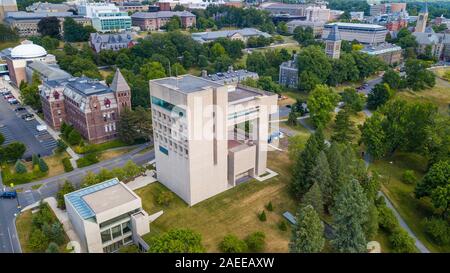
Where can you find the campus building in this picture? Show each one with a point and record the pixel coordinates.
(7, 6)
(289, 73)
(90, 106)
(132, 6)
(389, 53)
(202, 146)
(106, 17)
(156, 20)
(19, 57)
(49, 7)
(110, 41)
(46, 72)
(333, 43)
(363, 33)
(26, 23)
(422, 19)
(237, 34)
(317, 27)
(231, 77)
(437, 43)
(107, 216)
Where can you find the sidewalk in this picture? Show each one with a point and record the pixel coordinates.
(64, 220)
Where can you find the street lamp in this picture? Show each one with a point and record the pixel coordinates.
(389, 179)
(17, 196)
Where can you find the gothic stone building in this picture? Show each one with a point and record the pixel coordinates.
(90, 106)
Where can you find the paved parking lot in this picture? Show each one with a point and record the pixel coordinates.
(14, 128)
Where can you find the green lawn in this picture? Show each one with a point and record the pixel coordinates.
(233, 211)
(412, 210)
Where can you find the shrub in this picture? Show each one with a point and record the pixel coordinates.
(37, 241)
(20, 167)
(177, 241)
(438, 230)
(232, 244)
(386, 219)
(43, 167)
(66, 188)
(52, 248)
(2, 139)
(54, 232)
(74, 137)
(401, 241)
(61, 146)
(87, 160)
(269, 206)
(409, 177)
(67, 165)
(282, 225)
(129, 249)
(164, 198)
(35, 159)
(256, 241)
(262, 216)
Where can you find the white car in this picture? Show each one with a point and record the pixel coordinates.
(41, 128)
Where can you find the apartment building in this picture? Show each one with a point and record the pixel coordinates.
(106, 17)
(26, 23)
(90, 106)
(156, 20)
(363, 33)
(200, 150)
(107, 216)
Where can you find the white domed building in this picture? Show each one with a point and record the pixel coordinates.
(20, 56)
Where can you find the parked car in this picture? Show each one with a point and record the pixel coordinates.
(27, 117)
(7, 97)
(41, 127)
(13, 101)
(8, 194)
(20, 108)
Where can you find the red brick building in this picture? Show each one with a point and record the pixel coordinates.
(156, 20)
(396, 25)
(90, 106)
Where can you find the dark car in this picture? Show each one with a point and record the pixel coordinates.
(14, 101)
(18, 109)
(8, 194)
(27, 117)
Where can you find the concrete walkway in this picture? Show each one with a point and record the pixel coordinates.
(64, 220)
(142, 181)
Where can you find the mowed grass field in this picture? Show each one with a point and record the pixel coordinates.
(412, 210)
(233, 211)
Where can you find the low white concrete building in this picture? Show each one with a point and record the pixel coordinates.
(107, 216)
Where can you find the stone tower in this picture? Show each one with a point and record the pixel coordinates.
(122, 91)
(333, 43)
(5, 6)
(421, 24)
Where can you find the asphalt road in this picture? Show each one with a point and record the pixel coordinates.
(8, 207)
(15, 128)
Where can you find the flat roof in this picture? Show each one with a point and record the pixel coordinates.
(108, 198)
(187, 83)
(99, 197)
(246, 92)
(356, 26)
(87, 86)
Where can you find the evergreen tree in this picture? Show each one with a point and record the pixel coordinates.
(292, 119)
(20, 167)
(52, 248)
(307, 233)
(337, 166)
(321, 176)
(314, 198)
(43, 167)
(304, 164)
(343, 127)
(349, 216)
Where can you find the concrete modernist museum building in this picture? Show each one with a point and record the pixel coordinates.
(200, 149)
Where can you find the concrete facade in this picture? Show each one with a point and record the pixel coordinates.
(106, 216)
(7, 6)
(388, 53)
(199, 149)
(363, 33)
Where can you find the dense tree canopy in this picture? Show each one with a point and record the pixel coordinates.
(50, 26)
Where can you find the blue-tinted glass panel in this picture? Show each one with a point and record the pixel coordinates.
(163, 150)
